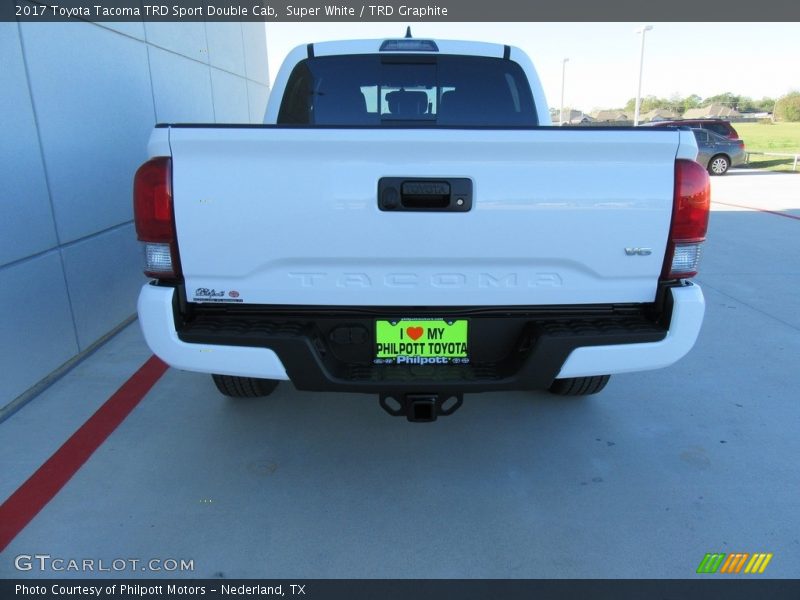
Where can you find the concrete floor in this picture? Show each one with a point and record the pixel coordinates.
(639, 481)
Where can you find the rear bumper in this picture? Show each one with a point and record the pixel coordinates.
(738, 158)
(688, 308)
(156, 308)
(519, 348)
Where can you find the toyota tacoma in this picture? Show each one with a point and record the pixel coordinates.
(407, 223)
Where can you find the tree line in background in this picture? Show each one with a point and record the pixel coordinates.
(785, 108)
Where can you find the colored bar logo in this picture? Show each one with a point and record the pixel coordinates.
(732, 564)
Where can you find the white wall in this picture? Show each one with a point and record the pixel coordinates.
(79, 101)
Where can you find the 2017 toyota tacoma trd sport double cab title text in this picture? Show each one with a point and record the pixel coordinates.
(406, 223)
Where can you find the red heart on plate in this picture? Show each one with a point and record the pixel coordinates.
(415, 332)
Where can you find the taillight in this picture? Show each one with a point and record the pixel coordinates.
(155, 218)
(687, 231)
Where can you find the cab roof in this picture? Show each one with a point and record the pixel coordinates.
(408, 46)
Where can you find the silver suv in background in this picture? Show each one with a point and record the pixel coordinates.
(717, 153)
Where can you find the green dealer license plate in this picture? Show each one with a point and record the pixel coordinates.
(421, 342)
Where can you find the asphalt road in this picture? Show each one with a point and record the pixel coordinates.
(639, 481)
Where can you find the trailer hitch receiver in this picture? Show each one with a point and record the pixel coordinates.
(420, 407)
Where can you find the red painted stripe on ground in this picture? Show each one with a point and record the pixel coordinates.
(765, 210)
(41, 487)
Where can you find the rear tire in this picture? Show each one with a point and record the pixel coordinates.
(579, 386)
(244, 387)
(719, 165)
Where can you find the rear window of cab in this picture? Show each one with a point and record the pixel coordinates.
(424, 90)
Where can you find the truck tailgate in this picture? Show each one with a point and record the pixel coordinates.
(290, 216)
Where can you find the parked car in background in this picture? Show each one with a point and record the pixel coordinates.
(717, 153)
(718, 126)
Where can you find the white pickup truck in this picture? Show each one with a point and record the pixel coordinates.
(407, 223)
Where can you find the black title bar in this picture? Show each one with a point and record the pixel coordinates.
(406, 11)
(708, 588)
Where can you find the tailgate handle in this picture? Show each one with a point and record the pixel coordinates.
(398, 194)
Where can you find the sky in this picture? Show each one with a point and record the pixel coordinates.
(750, 59)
